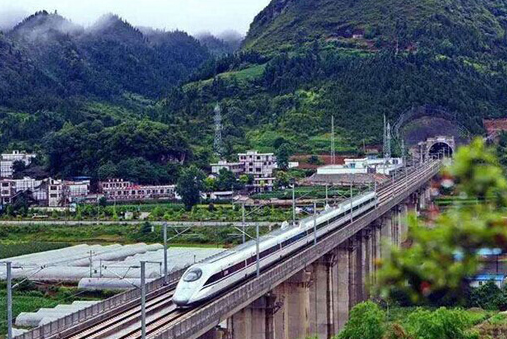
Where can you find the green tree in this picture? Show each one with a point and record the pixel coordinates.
(366, 321)
(108, 171)
(282, 179)
(146, 228)
(210, 184)
(434, 270)
(488, 297)
(18, 167)
(440, 324)
(246, 179)
(189, 186)
(226, 180)
(314, 160)
(283, 154)
(103, 202)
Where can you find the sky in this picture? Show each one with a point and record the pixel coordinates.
(193, 16)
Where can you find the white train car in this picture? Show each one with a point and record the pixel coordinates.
(209, 278)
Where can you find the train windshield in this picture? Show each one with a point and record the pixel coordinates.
(193, 275)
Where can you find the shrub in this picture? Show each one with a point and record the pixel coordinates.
(366, 321)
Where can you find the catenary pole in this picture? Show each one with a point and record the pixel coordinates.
(165, 255)
(143, 299)
(257, 264)
(9, 300)
(314, 223)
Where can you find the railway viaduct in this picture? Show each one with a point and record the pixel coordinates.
(308, 294)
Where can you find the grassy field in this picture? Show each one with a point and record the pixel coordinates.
(8, 250)
(34, 238)
(161, 211)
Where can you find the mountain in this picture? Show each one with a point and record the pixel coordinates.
(78, 93)
(460, 25)
(304, 61)
(226, 43)
(105, 61)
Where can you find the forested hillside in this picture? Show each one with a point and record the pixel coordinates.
(77, 95)
(49, 60)
(301, 63)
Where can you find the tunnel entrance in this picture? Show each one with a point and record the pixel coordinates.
(440, 150)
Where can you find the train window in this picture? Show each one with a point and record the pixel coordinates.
(215, 277)
(193, 275)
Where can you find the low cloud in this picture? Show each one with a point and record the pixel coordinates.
(11, 17)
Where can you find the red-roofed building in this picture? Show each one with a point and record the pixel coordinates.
(494, 127)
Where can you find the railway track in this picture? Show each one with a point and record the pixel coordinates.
(162, 313)
(128, 318)
(384, 195)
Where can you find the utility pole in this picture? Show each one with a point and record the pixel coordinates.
(293, 204)
(327, 196)
(165, 255)
(217, 142)
(351, 206)
(333, 150)
(314, 223)
(243, 221)
(91, 264)
(9, 299)
(143, 299)
(257, 264)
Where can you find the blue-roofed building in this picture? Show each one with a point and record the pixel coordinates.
(479, 280)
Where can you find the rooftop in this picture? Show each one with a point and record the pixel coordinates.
(493, 125)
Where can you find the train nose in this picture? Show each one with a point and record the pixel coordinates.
(180, 301)
(182, 295)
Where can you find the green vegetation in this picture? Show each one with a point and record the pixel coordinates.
(306, 192)
(18, 238)
(368, 321)
(277, 94)
(401, 25)
(190, 185)
(161, 211)
(434, 270)
(8, 250)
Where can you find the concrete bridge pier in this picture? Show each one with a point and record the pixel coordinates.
(323, 297)
(377, 246)
(343, 284)
(366, 262)
(254, 321)
(422, 199)
(386, 232)
(292, 314)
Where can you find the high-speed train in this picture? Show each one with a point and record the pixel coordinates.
(207, 279)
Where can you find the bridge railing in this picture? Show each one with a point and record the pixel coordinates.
(201, 320)
(95, 311)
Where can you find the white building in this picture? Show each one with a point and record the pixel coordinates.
(238, 168)
(363, 166)
(261, 166)
(76, 190)
(11, 187)
(7, 161)
(56, 195)
(120, 190)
